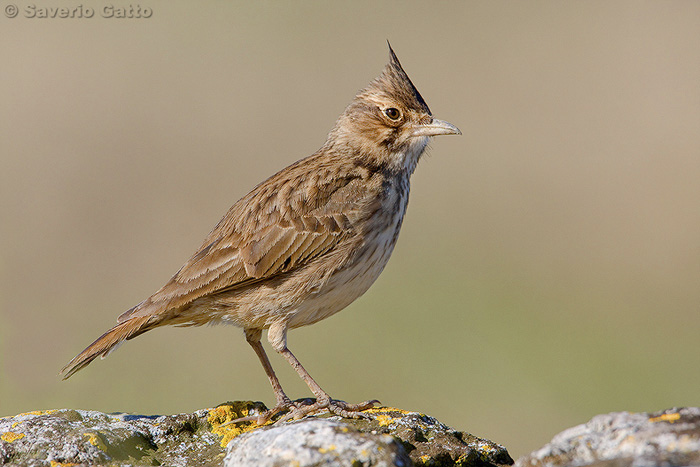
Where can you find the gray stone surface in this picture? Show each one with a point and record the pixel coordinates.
(70, 437)
(62, 438)
(313, 443)
(669, 438)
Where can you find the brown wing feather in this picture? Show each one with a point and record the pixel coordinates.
(276, 228)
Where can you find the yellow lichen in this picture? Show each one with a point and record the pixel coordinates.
(9, 436)
(667, 417)
(221, 416)
(332, 447)
(62, 464)
(95, 440)
(386, 410)
(384, 420)
(386, 415)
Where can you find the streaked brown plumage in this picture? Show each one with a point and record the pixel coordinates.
(303, 244)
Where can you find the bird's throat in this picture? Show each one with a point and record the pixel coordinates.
(407, 159)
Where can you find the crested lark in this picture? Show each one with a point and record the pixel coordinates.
(305, 243)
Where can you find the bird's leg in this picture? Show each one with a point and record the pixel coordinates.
(284, 403)
(277, 335)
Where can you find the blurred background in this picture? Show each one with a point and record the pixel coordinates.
(549, 266)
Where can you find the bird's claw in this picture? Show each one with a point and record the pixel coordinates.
(299, 409)
(336, 407)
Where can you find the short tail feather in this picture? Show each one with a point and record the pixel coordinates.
(108, 342)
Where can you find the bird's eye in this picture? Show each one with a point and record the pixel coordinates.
(392, 113)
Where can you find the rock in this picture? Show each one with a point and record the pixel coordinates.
(424, 439)
(70, 437)
(668, 438)
(391, 437)
(312, 443)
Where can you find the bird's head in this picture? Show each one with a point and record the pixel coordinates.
(389, 121)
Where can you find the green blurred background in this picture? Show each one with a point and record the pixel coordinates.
(549, 266)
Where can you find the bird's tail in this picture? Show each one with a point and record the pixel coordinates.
(108, 342)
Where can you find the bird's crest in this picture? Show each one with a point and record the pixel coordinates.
(395, 83)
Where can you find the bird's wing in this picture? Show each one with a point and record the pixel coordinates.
(277, 228)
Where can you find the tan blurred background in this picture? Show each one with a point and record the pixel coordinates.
(549, 266)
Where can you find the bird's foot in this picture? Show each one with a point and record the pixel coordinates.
(301, 408)
(283, 405)
(341, 408)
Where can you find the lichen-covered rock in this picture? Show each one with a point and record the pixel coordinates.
(431, 443)
(427, 441)
(669, 438)
(315, 442)
(79, 437)
(66, 437)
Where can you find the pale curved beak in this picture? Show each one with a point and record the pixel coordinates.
(435, 128)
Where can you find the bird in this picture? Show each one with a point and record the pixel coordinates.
(304, 243)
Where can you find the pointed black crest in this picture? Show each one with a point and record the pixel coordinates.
(395, 83)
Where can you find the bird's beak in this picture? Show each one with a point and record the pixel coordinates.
(435, 128)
